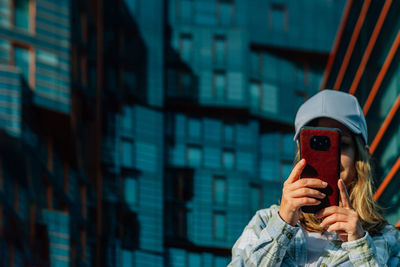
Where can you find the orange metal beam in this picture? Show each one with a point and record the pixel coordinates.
(338, 38)
(353, 40)
(385, 124)
(387, 179)
(370, 46)
(382, 73)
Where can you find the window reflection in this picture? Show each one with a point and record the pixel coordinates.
(225, 12)
(127, 118)
(219, 191)
(278, 17)
(22, 61)
(194, 128)
(228, 159)
(194, 260)
(186, 47)
(255, 198)
(21, 14)
(270, 170)
(127, 258)
(194, 156)
(219, 85)
(255, 95)
(130, 191)
(288, 146)
(219, 50)
(219, 226)
(286, 170)
(126, 152)
(186, 10)
(228, 133)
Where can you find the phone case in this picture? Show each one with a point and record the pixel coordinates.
(323, 162)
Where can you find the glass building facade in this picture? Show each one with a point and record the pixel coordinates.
(365, 63)
(147, 133)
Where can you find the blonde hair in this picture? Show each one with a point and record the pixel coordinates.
(361, 195)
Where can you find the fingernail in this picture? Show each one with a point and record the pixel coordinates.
(324, 183)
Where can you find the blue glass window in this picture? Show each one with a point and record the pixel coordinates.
(126, 152)
(194, 260)
(228, 133)
(194, 128)
(255, 95)
(194, 156)
(185, 84)
(278, 18)
(219, 226)
(228, 159)
(147, 155)
(270, 170)
(220, 50)
(21, 14)
(286, 170)
(48, 58)
(220, 262)
(22, 61)
(188, 224)
(127, 258)
(219, 85)
(219, 190)
(225, 12)
(256, 62)
(300, 98)
(288, 146)
(186, 47)
(58, 224)
(130, 191)
(186, 10)
(127, 118)
(181, 222)
(255, 198)
(205, 13)
(270, 98)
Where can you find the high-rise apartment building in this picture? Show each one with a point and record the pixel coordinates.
(236, 74)
(147, 133)
(364, 62)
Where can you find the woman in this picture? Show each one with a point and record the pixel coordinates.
(351, 234)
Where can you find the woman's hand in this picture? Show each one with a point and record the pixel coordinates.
(344, 219)
(297, 193)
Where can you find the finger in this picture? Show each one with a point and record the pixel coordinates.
(332, 219)
(305, 201)
(344, 196)
(339, 226)
(309, 182)
(306, 192)
(329, 211)
(295, 174)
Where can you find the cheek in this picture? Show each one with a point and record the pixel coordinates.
(348, 169)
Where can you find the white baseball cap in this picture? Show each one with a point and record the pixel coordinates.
(336, 105)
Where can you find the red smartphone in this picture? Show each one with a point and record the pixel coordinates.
(320, 147)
